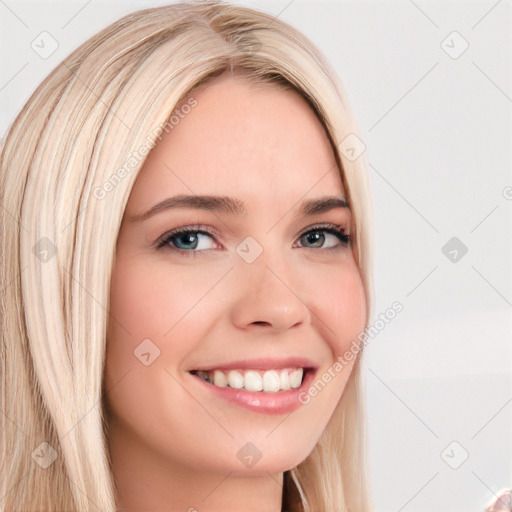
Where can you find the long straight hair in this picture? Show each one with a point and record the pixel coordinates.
(59, 226)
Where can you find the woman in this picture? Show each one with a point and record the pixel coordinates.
(186, 276)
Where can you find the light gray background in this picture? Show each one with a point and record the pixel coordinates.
(438, 135)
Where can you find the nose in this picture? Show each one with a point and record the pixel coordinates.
(268, 297)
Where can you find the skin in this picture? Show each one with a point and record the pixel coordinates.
(173, 444)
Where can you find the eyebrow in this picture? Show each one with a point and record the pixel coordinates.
(226, 204)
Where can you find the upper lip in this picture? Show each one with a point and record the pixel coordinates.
(260, 364)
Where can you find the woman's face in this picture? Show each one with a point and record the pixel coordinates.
(263, 284)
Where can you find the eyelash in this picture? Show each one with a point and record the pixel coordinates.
(164, 241)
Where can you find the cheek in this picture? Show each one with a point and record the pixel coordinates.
(339, 310)
(153, 298)
(338, 302)
(350, 308)
(158, 301)
(173, 307)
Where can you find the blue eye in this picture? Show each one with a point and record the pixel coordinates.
(189, 239)
(186, 240)
(195, 239)
(317, 236)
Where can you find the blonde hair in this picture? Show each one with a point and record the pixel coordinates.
(57, 242)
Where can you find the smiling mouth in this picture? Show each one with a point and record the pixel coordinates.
(266, 381)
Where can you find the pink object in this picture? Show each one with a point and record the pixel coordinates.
(503, 503)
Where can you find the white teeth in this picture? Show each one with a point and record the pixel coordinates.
(220, 379)
(235, 379)
(284, 382)
(295, 378)
(253, 381)
(269, 381)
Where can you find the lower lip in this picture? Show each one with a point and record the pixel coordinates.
(278, 402)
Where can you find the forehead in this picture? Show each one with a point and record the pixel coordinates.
(259, 143)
